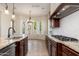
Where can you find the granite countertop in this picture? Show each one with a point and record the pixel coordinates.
(6, 41)
(70, 44)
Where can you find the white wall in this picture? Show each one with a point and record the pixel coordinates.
(17, 24)
(69, 26)
(5, 24)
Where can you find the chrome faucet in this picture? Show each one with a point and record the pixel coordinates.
(13, 31)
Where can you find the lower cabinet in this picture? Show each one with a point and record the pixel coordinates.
(58, 49)
(66, 51)
(49, 46)
(54, 52)
(25, 46)
(54, 48)
(22, 47)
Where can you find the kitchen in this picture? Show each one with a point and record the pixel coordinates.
(54, 25)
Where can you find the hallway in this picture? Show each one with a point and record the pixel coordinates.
(37, 48)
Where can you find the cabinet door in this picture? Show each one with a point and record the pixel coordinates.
(21, 48)
(21, 51)
(46, 42)
(49, 47)
(64, 54)
(54, 48)
(53, 51)
(69, 51)
(56, 23)
(25, 46)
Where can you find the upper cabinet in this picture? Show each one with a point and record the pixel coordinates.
(61, 11)
(64, 10)
(53, 7)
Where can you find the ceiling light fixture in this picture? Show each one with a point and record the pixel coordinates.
(6, 9)
(29, 21)
(13, 14)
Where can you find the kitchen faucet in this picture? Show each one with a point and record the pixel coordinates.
(13, 31)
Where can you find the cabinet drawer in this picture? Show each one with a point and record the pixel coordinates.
(69, 51)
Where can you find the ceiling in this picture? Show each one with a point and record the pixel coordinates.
(37, 9)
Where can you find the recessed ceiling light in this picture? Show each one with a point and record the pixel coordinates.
(63, 9)
(58, 13)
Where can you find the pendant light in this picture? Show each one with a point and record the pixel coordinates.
(6, 9)
(13, 14)
(29, 21)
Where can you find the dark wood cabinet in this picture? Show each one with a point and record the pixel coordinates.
(25, 46)
(54, 52)
(56, 23)
(58, 49)
(49, 46)
(21, 47)
(66, 51)
(54, 48)
(71, 8)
